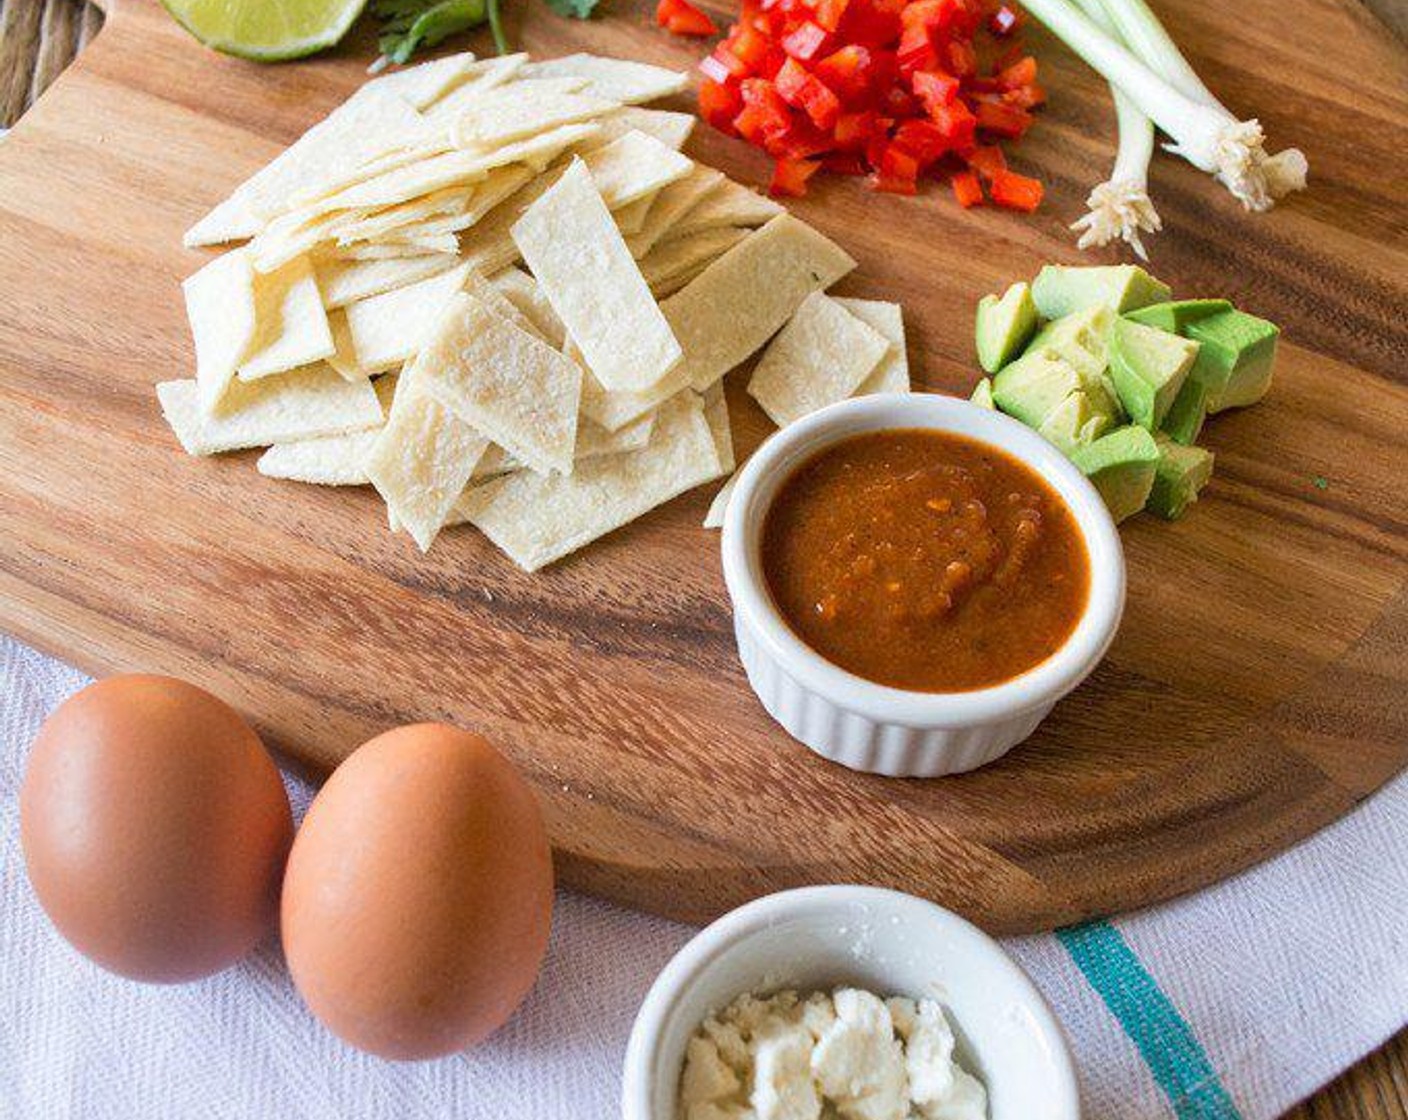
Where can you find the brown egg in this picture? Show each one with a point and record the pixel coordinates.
(154, 827)
(418, 896)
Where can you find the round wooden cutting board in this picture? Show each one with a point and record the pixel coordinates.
(1257, 690)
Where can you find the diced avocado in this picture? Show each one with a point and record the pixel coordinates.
(1180, 474)
(1121, 465)
(1237, 357)
(1175, 315)
(982, 394)
(1059, 290)
(1148, 367)
(1082, 338)
(1184, 421)
(1074, 423)
(1033, 385)
(1002, 326)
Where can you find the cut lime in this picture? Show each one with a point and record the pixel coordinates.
(266, 30)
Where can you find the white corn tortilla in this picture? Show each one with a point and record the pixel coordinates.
(686, 257)
(616, 79)
(634, 166)
(339, 460)
(368, 124)
(422, 460)
(368, 225)
(670, 205)
(342, 281)
(728, 204)
(631, 217)
(716, 413)
(736, 304)
(523, 292)
(423, 85)
(670, 128)
(496, 300)
(385, 330)
(510, 385)
(820, 357)
(484, 76)
(291, 327)
(588, 275)
(537, 519)
(714, 517)
(892, 374)
(592, 443)
(300, 405)
(516, 112)
(220, 307)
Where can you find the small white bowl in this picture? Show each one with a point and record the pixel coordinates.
(872, 727)
(884, 941)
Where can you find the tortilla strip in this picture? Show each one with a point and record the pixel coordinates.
(484, 76)
(523, 292)
(892, 374)
(368, 124)
(634, 166)
(300, 405)
(736, 304)
(537, 519)
(343, 281)
(497, 301)
(378, 251)
(339, 460)
(613, 78)
(367, 225)
(631, 217)
(584, 268)
(516, 112)
(387, 329)
(718, 508)
(613, 410)
(422, 460)
(291, 327)
(425, 84)
(670, 205)
(510, 385)
(221, 310)
(820, 357)
(728, 204)
(592, 443)
(682, 259)
(293, 234)
(670, 128)
(716, 412)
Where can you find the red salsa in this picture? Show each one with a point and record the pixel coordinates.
(925, 560)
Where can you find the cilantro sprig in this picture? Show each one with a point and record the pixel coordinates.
(409, 25)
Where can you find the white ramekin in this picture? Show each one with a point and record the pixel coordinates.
(872, 727)
(884, 941)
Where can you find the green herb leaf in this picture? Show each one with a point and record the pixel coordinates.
(408, 25)
(574, 9)
(1320, 482)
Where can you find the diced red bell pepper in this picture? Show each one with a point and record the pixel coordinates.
(871, 23)
(789, 176)
(957, 123)
(726, 60)
(934, 87)
(854, 130)
(802, 90)
(749, 45)
(765, 115)
(680, 17)
(1016, 192)
(1025, 97)
(1003, 119)
(922, 140)
(831, 13)
(962, 58)
(846, 72)
(715, 71)
(800, 140)
(916, 50)
(987, 161)
(719, 103)
(967, 189)
(1020, 73)
(806, 41)
(844, 163)
(897, 173)
(1004, 21)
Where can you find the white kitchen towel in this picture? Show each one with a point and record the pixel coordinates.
(1235, 1002)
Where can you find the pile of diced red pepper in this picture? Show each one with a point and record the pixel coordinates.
(896, 90)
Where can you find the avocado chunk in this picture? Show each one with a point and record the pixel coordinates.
(1059, 290)
(1236, 358)
(1032, 386)
(1180, 474)
(1074, 423)
(982, 394)
(1082, 338)
(1121, 466)
(1148, 367)
(1002, 326)
(1184, 422)
(1175, 315)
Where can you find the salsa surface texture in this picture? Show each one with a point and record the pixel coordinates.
(925, 560)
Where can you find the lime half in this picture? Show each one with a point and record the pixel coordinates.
(266, 30)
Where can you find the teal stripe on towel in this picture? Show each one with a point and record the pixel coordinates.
(1165, 1041)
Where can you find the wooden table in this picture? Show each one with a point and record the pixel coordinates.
(39, 37)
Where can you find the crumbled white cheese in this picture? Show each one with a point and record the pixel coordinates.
(846, 1055)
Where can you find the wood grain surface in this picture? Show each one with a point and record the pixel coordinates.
(38, 40)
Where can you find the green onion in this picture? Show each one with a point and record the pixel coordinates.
(1120, 208)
